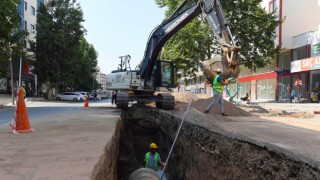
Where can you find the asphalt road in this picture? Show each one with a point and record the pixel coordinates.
(41, 110)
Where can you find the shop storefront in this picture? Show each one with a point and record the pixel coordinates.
(306, 71)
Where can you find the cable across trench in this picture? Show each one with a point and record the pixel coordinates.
(175, 139)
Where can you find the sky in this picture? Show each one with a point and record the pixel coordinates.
(117, 28)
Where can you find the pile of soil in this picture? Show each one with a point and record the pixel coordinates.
(259, 111)
(201, 101)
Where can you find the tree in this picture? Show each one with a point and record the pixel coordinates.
(86, 73)
(11, 33)
(59, 32)
(251, 25)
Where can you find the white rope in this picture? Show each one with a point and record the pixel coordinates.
(175, 139)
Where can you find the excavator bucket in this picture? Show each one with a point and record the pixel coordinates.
(219, 62)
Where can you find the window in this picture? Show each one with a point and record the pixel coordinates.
(25, 25)
(300, 53)
(272, 6)
(33, 11)
(32, 28)
(285, 61)
(25, 6)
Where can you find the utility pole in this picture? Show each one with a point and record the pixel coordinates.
(11, 66)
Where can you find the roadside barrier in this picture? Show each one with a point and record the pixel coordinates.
(20, 121)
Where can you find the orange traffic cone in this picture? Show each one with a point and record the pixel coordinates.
(86, 102)
(21, 117)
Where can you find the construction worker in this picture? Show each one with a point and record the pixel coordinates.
(152, 159)
(217, 86)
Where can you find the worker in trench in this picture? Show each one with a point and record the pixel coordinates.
(217, 86)
(152, 159)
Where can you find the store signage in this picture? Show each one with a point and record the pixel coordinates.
(305, 64)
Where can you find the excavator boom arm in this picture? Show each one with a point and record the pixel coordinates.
(185, 13)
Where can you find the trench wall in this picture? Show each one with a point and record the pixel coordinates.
(106, 167)
(200, 152)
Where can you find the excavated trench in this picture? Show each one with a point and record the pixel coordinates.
(200, 152)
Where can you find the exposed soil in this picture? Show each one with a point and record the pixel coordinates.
(200, 153)
(204, 149)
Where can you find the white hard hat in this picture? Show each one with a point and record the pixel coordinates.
(218, 70)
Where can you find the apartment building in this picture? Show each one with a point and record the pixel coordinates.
(103, 81)
(22, 71)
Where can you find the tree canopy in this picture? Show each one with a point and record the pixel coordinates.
(63, 56)
(253, 28)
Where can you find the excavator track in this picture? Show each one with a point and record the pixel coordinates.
(122, 101)
(165, 101)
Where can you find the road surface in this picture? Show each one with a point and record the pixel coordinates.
(67, 142)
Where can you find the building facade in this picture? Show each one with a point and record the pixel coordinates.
(22, 71)
(103, 82)
(295, 37)
(298, 37)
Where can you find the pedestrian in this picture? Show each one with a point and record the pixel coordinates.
(114, 95)
(217, 86)
(245, 98)
(95, 96)
(293, 96)
(152, 159)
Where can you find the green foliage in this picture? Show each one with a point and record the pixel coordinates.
(11, 33)
(63, 56)
(251, 25)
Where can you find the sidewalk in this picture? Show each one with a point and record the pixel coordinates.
(6, 99)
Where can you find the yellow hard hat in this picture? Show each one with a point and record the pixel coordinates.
(153, 146)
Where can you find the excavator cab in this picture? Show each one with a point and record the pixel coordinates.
(163, 75)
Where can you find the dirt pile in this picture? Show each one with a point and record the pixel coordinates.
(201, 101)
(259, 111)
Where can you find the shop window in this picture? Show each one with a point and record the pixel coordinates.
(315, 82)
(233, 89)
(285, 61)
(244, 89)
(284, 89)
(266, 89)
(300, 53)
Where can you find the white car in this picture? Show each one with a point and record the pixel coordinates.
(69, 96)
(83, 94)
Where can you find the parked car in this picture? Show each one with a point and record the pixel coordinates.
(69, 96)
(83, 94)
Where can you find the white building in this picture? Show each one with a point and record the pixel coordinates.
(103, 81)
